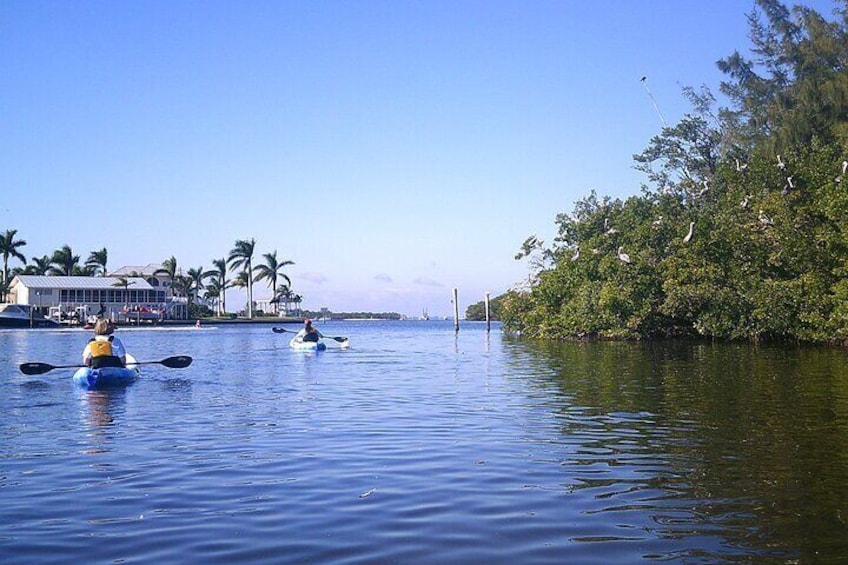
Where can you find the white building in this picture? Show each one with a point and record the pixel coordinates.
(76, 298)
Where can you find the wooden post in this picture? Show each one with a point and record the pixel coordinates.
(488, 319)
(455, 310)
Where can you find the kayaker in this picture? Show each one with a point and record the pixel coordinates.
(309, 332)
(104, 349)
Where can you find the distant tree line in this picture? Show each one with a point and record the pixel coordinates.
(742, 232)
(352, 315)
(477, 312)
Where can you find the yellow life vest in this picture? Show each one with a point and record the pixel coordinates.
(101, 348)
(102, 354)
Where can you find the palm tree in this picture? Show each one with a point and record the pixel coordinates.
(124, 283)
(213, 294)
(169, 269)
(64, 262)
(195, 278)
(297, 300)
(39, 266)
(241, 281)
(219, 275)
(287, 297)
(172, 272)
(97, 261)
(182, 286)
(9, 248)
(241, 256)
(272, 269)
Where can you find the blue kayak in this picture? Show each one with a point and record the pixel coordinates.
(106, 377)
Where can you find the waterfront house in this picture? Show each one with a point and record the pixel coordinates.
(74, 299)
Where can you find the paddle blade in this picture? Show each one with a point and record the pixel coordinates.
(35, 368)
(278, 330)
(177, 362)
(339, 339)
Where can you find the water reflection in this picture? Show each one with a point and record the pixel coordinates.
(430, 447)
(751, 442)
(101, 410)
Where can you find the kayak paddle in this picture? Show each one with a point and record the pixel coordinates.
(340, 339)
(34, 368)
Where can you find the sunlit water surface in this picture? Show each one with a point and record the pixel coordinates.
(419, 445)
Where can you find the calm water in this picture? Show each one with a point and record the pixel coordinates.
(419, 446)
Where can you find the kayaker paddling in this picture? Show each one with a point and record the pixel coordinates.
(104, 349)
(309, 333)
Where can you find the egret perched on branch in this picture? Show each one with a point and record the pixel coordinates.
(688, 236)
(780, 164)
(788, 185)
(765, 220)
(624, 257)
(844, 168)
(745, 201)
(576, 255)
(741, 166)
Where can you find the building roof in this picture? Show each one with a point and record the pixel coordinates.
(143, 270)
(101, 283)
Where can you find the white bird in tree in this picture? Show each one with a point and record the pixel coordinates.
(576, 255)
(765, 220)
(741, 166)
(705, 189)
(789, 185)
(688, 236)
(624, 257)
(745, 201)
(844, 168)
(780, 164)
(657, 222)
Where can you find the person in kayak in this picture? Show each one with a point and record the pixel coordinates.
(309, 332)
(104, 349)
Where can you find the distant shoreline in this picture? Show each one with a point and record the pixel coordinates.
(213, 322)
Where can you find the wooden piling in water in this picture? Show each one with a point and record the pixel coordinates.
(488, 318)
(455, 310)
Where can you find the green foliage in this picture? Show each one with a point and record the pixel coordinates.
(477, 312)
(761, 185)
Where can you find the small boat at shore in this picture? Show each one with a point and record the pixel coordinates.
(23, 316)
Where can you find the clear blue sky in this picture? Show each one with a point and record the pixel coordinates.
(394, 150)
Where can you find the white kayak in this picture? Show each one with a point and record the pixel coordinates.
(299, 344)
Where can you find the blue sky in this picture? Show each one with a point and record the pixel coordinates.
(394, 150)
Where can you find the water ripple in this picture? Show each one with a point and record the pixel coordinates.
(430, 447)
